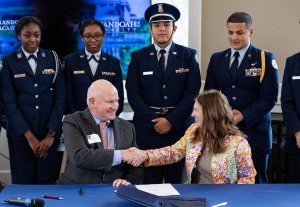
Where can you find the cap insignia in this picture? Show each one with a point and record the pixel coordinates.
(160, 8)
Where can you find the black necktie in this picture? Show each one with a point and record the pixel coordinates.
(161, 61)
(235, 64)
(93, 57)
(33, 57)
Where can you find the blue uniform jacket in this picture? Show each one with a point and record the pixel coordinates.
(79, 77)
(31, 101)
(147, 86)
(290, 100)
(246, 93)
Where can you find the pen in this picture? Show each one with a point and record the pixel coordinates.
(52, 197)
(220, 204)
(81, 191)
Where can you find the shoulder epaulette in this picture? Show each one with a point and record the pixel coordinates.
(263, 65)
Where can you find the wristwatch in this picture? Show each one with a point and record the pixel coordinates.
(51, 133)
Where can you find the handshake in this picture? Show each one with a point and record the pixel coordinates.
(134, 156)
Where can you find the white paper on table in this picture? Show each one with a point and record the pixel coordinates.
(158, 189)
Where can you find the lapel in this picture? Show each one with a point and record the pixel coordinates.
(172, 61)
(102, 65)
(152, 62)
(90, 122)
(84, 64)
(23, 62)
(226, 65)
(248, 58)
(42, 60)
(118, 134)
(194, 151)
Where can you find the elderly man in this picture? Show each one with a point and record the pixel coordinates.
(96, 141)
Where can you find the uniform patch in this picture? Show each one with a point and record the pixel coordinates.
(148, 73)
(48, 72)
(296, 77)
(108, 73)
(182, 70)
(22, 75)
(274, 64)
(252, 72)
(196, 58)
(78, 72)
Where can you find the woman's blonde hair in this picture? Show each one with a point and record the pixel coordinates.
(217, 121)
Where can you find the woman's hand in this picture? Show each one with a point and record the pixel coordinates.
(119, 182)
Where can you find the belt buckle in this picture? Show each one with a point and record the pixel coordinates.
(163, 110)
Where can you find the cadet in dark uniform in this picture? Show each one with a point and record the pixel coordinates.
(290, 104)
(33, 95)
(162, 81)
(84, 67)
(249, 79)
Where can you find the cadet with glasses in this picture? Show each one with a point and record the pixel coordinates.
(84, 67)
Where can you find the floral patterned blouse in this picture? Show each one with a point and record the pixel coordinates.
(234, 165)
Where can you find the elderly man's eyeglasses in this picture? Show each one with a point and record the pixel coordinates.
(89, 37)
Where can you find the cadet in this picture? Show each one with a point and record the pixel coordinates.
(84, 67)
(248, 77)
(290, 103)
(162, 81)
(33, 95)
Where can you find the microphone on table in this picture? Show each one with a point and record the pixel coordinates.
(35, 202)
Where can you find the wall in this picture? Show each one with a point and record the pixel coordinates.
(276, 25)
(4, 163)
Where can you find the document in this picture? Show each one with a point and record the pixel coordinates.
(158, 189)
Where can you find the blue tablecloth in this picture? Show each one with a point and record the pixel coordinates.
(264, 195)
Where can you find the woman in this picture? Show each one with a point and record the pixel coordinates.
(33, 95)
(215, 150)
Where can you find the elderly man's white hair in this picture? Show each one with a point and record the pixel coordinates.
(98, 87)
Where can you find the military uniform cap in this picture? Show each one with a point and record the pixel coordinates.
(162, 12)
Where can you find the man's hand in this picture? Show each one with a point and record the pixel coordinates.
(134, 156)
(45, 144)
(118, 182)
(297, 135)
(237, 116)
(162, 125)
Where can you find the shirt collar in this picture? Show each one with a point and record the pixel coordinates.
(98, 120)
(241, 51)
(27, 53)
(167, 49)
(97, 55)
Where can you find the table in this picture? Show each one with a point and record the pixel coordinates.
(260, 195)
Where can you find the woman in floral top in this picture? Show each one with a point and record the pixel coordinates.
(215, 150)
